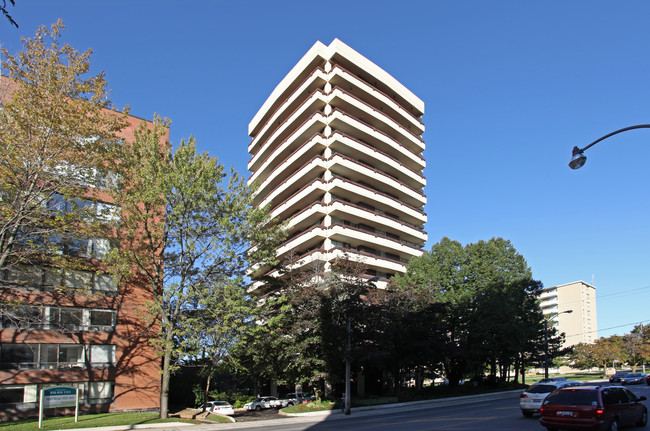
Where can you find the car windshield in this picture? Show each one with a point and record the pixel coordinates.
(541, 389)
(634, 375)
(578, 398)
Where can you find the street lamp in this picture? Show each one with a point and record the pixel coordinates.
(546, 339)
(578, 158)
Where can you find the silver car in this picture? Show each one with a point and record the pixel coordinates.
(532, 398)
(260, 403)
(220, 407)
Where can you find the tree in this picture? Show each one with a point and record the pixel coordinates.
(439, 275)
(598, 354)
(188, 230)
(55, 130)
(5, 12)
(488, 302)
(636, 345)
(215, 327)
(306, 322)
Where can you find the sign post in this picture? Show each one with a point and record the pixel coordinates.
(58, 396)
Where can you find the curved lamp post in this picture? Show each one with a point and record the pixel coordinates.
(553, 316)
(578, 158)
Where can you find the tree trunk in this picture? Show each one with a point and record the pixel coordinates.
(166, 375)
(207, 388)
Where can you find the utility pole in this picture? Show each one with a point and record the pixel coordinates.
(348, 393)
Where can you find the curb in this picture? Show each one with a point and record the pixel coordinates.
(135, 427)
(412, 404)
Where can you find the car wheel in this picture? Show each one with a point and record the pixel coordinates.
(258, 408)
(644, 419)
(289, 404)
(527, 413)
(614, 425)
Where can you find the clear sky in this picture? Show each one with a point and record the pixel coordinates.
(509, 88)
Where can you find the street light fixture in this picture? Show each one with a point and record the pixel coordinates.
(553, 316)
(578, 158)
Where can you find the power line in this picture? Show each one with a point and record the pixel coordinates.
(625, 292)
(643, 322)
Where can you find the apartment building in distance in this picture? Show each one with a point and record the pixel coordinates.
(581, 325)
(337, 150)
(77, 327)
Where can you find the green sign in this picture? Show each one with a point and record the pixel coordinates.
(60, 396)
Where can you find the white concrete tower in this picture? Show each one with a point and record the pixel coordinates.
(337, 150)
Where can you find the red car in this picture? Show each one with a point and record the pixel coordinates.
(593, 408)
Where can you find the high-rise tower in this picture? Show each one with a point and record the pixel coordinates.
(337, 150)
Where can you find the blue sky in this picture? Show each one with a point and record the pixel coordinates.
(509, 88)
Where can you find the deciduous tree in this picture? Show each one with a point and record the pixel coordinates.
(188, 230)
(56, 127)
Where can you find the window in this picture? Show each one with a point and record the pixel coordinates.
(68, 318)
(51, 356)
(100, 392)
(71, 355)
(102, 318)
(77, 279)
(34, 277)
(25, 276)
(102, 355)
(105, 282)
(61, 356)
(12, 395)
(15, 356)
(21, 316)
(100, 248)
(101, 210)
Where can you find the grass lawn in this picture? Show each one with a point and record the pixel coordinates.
(88, 421)
(577, 376)
(314, 406)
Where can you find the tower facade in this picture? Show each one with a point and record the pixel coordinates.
(337, 150)
(581, 325)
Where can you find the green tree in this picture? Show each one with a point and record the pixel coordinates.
(188, 230)
(404, 336)
(600, 353)
(55, 131)
(636, 345)
(440, 276)
(306, 324)
(488, 300)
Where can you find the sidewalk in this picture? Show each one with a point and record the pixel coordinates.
(312, 416)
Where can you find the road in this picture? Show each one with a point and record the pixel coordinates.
(500, 414)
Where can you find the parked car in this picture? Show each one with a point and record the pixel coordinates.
(260, 403)
(634, 379)
(552, 379)
(616, 377)
(290, 399)
(593, 408)
(647, 379)
(531, 399)
(220, 407)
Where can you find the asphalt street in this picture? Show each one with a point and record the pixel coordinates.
(486, 412)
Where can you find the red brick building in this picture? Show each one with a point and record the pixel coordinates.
(82, 328)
